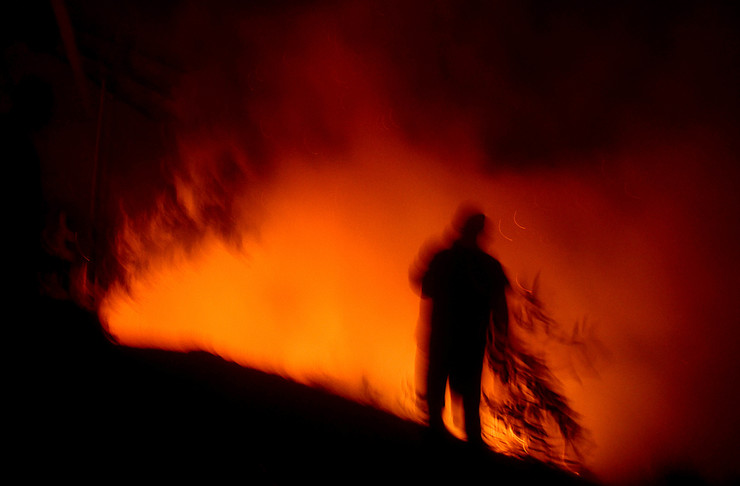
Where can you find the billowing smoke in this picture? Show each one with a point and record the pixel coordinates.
(309, 150)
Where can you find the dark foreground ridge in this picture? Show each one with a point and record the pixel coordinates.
(91, 408)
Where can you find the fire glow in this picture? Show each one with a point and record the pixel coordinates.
(320, 293)
(306, 177)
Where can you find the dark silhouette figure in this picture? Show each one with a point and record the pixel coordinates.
(464, 289)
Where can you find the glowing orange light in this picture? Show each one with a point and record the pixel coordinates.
(320, 295)
(501, 232)
(517, 222)
(519, 284)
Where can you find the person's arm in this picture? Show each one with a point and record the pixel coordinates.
(500, 320)
(500, 314)
(499, 306)
(430, 280)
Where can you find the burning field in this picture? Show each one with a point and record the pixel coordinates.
(260, 181)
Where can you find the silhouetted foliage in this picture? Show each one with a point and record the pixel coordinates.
(527, 397)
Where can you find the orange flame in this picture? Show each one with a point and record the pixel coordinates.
(319, 294)
(310, 278)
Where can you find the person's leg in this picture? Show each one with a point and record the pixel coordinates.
(435, 393)
(465, 379)
(471, 411)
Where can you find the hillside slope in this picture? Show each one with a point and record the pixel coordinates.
(92, 408)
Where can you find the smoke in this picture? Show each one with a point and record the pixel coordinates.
(334, 139)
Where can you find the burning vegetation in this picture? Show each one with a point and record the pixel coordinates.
(261, 179)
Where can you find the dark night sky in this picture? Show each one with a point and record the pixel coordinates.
(542, 85)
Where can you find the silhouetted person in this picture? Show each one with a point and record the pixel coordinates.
(466, 289)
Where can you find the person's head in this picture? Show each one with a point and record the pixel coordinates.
(469, 223)
(473, 226)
